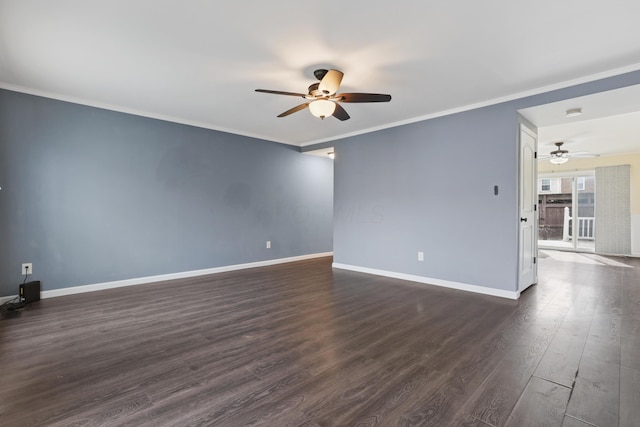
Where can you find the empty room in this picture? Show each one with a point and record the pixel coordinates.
(319, 214)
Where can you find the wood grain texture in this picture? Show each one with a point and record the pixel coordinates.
(630, 346)
(572, 422)
(494, 400)
(562, 358)
(596, 395)
(300, 344)
(542, 403)
(629, 397)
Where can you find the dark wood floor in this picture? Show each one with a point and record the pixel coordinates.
(304, 345)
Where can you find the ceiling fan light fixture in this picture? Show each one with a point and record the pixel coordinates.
(559, 159)
(322, 108)
(573, 112)
(323, 99)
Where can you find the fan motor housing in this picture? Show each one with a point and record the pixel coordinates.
(314, 91)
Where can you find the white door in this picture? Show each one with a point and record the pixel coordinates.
(527, 262)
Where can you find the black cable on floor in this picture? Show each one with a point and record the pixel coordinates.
(12, 305)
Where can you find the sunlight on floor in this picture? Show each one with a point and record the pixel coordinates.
(586, 245)
(581, 258)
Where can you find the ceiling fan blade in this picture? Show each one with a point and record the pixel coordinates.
(340, 113)
(330, 82)
(583, 155)
(294, 110)
(278, 92)
(363, 97)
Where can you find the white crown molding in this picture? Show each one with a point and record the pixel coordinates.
(135, 112)
(518, 95)
(494, 101)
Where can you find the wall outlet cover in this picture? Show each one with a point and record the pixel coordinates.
(27, 268)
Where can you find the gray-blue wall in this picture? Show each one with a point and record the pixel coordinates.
(429, 186)
(91, 196)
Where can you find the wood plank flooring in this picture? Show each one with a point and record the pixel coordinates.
(301, 344)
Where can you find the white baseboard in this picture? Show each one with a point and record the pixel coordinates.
(171, 276)
(430, 281)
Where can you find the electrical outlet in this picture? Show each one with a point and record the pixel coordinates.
(420, 256)
(268, 244)
(27, 268)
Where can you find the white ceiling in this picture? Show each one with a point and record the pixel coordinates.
(198, 62)
(609, 123)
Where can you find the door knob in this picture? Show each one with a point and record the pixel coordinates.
(523, 219)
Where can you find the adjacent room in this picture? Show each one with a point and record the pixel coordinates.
(296, 214)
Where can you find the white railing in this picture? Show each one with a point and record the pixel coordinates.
(586, 227)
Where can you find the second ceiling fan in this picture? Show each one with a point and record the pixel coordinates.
(324, 99)
(560, 156)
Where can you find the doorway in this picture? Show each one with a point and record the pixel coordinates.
(566, 217)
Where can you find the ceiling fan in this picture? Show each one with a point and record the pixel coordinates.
(322, 97)
(560, 156)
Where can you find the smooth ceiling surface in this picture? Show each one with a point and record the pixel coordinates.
(606, 136)
(198, 62)
(609, 124)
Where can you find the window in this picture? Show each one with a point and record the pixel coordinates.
(545, 184)
(581, 181)
(549, 185)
